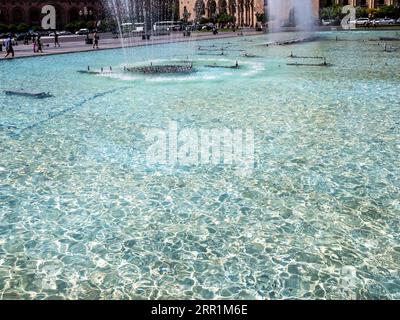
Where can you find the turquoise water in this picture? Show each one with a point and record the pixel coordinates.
(83, 216)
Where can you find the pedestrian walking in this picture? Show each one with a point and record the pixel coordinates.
(96, 40)
(56, 41)
(9, 47)
(39, 45)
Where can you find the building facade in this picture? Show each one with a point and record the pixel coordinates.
(29, 11)
(243, 10)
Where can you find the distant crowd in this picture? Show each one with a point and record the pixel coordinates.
(37, 43)
(36, 40)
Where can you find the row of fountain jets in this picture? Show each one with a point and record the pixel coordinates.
(149, 12)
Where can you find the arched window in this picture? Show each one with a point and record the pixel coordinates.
(34, 16)
(212, 8)
(232, 7)
(199, 9)
(223, 6)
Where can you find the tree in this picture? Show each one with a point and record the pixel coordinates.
(204, 20)
(23, 27)
(108, 25)
(225, 18)
(387, 11)
(12, 28)
(3, 28)
(333, 12)
(36, 28)
(71, 27)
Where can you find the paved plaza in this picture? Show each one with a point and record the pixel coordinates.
(71, 44)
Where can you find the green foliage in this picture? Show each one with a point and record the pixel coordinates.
(23, 27)
(107, 25)
(260, 16)
(204, 20)
(36, 28)
(20, 28)
(333, 12)
(362, 12)
(3, 28)
(70, 27)
(381, 12)
(225, 18)
(90, 25)
(76, 25)
(81, 25)
(12, 28)
(387, 11)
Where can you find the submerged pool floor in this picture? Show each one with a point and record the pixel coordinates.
(82, 215)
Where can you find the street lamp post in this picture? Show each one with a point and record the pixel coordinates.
(186, 17)
(85, 13)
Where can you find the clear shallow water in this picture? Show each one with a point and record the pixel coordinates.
(82, 216)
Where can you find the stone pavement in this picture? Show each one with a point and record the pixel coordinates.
(69, 45)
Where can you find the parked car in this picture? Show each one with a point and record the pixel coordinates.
(64, 33)
(43, 33)
(362, 21)
(60, 33)
(81, 32)
(398, 21)
(327, 22)
(384, 21)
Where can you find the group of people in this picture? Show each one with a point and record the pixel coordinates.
(370, 24)
(38, 43)
(94, 40)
